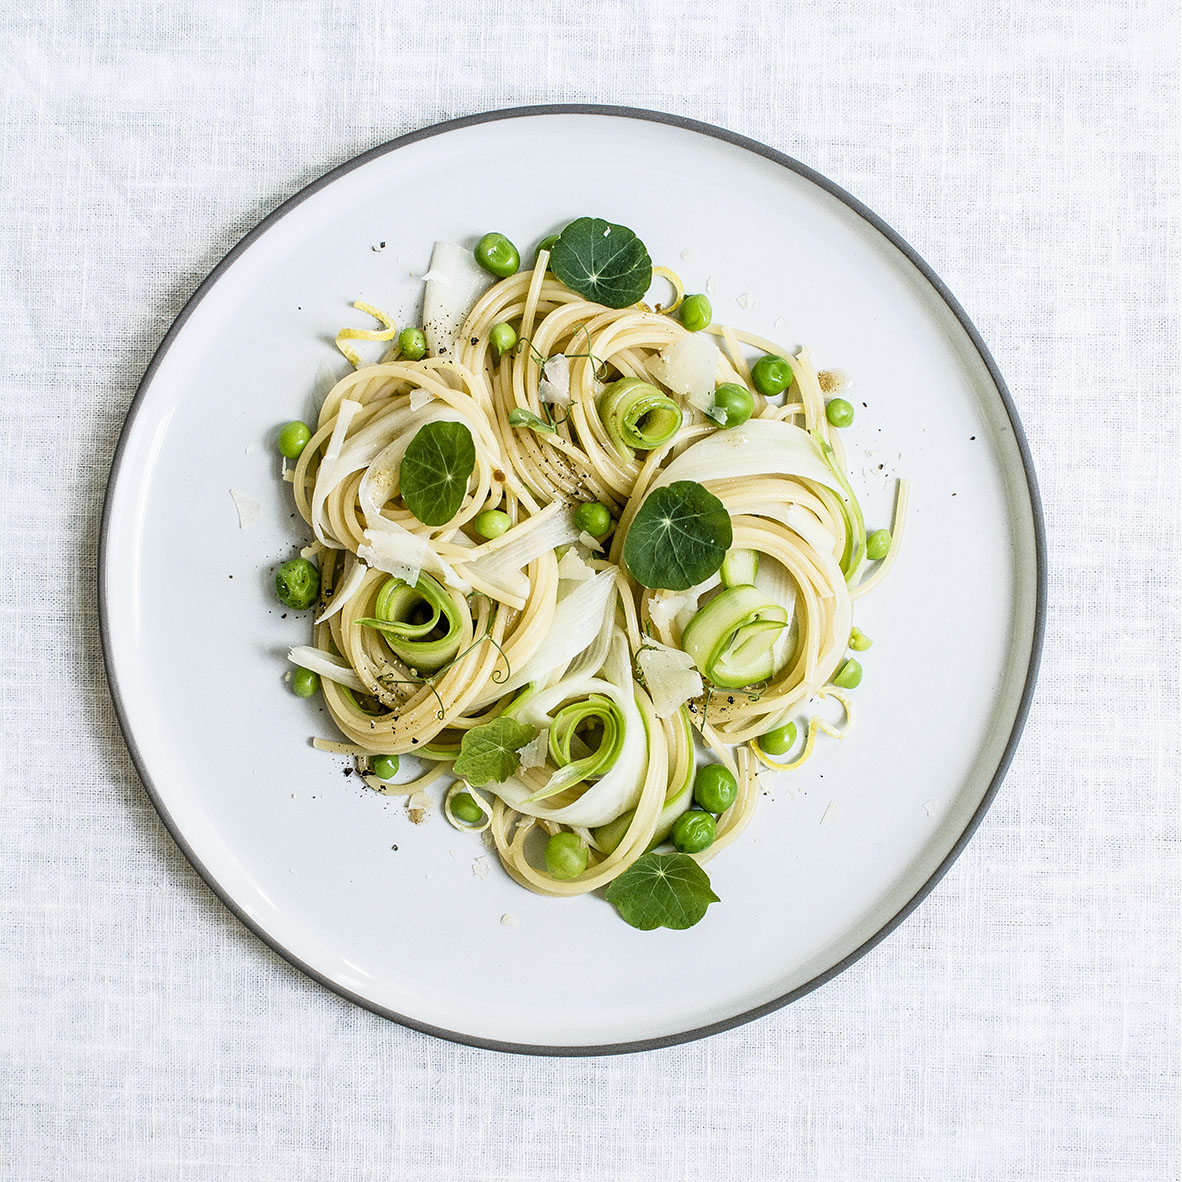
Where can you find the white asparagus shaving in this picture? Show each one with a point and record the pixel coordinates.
(496, 568)
(345, 589)
(578, 618)
(307, 656)
(452, 285)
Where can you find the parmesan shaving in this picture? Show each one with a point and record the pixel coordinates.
(554, 387)
(663, 608)
(396, 551)
(670, 677)
(573, 569)
(248, 509)
(420, 398)
(587, 540)
(533, 754)
(689, 367)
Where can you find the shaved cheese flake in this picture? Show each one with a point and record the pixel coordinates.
(587, 540)
(670, 676)
(554, 387)
(663, 608)
(396, 551)
(689, 367)
(572, 567)
(533, 754)
(420, 398)
(248, 509)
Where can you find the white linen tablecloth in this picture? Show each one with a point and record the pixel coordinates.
(1023, 1024)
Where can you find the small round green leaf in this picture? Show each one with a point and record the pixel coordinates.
(435, 471)
(678, 538)
(662, 891)
(603, 262)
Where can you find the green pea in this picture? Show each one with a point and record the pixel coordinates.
(779, 741)
(304, 683)
(492, 523)
(695, 312)
(839, 412)
(547, 243)
(293, 438)
(497, 255)
(566, 855)
(385, 767)
(593, 518)
(694, 831)
(465, 809)
(849, 675)
(502, 337)
(878, 544)
(297, 584)
(715, 788)
(735, 402)
(413, 344)
(859, 641)
(771, 375)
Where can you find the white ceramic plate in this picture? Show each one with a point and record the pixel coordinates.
(392, 915)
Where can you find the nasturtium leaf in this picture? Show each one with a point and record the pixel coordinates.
(662, 891)
(489, 753)
(435, 469)
(604, 262)
(678, 538)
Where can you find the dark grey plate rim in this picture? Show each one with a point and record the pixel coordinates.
(1037, 522)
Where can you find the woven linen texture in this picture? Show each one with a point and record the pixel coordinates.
(1023, 1024)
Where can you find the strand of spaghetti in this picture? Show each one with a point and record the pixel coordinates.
(409, 788)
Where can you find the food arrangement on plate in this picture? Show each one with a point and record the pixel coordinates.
(591, 561)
